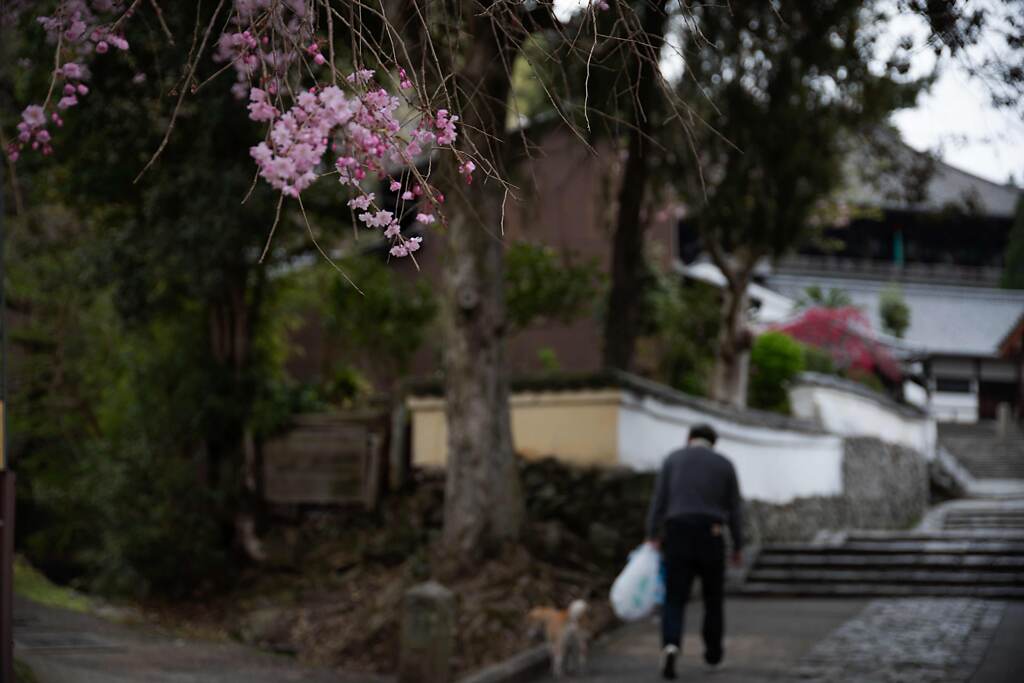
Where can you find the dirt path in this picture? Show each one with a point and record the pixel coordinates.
(69, 647)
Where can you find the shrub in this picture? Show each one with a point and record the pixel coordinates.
(683, 320)
(894, 311)
(818, 360)
(775, 360)
(542, 283)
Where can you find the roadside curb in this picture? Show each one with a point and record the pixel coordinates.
(521, 668)
(534, 663)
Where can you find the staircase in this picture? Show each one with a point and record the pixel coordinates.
(979, 552)
(983, 452)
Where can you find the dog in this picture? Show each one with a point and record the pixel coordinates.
(564, 634)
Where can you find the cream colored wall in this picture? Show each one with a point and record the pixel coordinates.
(581, 427)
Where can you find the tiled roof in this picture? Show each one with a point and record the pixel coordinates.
(943, 319)
(947, 185)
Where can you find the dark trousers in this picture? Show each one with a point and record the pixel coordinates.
(693, 546)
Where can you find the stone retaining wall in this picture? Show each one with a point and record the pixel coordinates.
(884, 487)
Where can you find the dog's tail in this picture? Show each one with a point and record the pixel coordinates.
(576, 610)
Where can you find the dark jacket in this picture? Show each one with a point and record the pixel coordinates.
(697, 481)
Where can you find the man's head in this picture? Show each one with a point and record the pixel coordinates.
(703, 432)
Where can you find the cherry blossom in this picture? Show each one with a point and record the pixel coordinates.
(361, 202)
(272, 46)
(466, 169)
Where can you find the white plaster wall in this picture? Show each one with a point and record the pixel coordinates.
(955, 407)
(774, 466)
(850, 414)
(915, 395)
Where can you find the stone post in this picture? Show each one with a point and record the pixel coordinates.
(1004, 418)
(428, 634)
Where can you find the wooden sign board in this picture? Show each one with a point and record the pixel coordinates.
(323, 460)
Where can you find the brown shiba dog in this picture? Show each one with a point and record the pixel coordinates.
(564, 634)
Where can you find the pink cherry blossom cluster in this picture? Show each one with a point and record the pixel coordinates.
(362, 129)
(79, 26)
(466, 169)
(314, 51)
(446, 124)
(82, 30)
(260, 108)
(373, 217)
(74, 88)
(31, 131)
(273, 48)
(404, 83)
(251, 54)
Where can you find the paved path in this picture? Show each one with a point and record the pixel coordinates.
(1003, 661)
(917, 640)
(766, 639)
(68, 647)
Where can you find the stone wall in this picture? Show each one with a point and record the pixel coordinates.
(591, 512)
(885, 487)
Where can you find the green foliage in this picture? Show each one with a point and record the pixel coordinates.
(115, 493)
(782, 87)
(868, 379)
(528, 97)
(23, 672)
(381, 329)
(149, 338)
(818, 360)
(894, 311)
(540, 283)
(548, 359)
(30, 583)
(1013, 268)
(160, 530)
(683, 320)
(814, 296)
(775, 360)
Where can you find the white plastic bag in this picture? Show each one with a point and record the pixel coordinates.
(637, 589)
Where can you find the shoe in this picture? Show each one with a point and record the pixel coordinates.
(713, 667)
(668, 662)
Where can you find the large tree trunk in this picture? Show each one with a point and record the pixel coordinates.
(483, 501)
(233, 456)
(629, 270)
(729, 382)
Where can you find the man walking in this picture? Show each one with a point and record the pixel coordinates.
(696, 495)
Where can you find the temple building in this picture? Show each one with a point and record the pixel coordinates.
(943, 252)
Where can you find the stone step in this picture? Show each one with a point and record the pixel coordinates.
(975, 519)
(905, 548)
(909, 561)
(985, 525)
(987, 516)
(955, 535)
(863, 576)
(857, 590)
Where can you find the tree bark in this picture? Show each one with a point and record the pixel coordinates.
(233, 456)
(483, 500)
(729, 382)
(629, 274)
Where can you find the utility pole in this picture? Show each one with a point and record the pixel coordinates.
(6, 487)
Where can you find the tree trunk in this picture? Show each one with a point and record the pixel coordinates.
(729, 383)
(483, 500)
(629, 270)
(234, 461)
